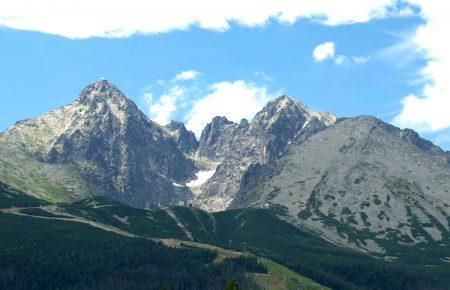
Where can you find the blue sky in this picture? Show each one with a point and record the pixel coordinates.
(372, 69)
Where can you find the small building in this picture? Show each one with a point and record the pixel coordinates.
(264, 205)
(181, 203)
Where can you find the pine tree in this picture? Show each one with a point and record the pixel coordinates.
(233, 284)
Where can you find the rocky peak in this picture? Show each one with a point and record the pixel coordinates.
(216, 138)
(364, 175)
(285, 120)
(413, 137)
(220, 121)
(111, 143)
(184, 138)
(244, 123)
(101, 90)
(284, 110)
(255, 145)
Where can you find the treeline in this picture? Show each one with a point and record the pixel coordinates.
(332, 266)
(50, 254)
(350, 274)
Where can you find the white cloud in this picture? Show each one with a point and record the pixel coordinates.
(361, 59)
(197, 104)
(234, 100)
(162, 108)
(344, 59)
(105, 18)
(429, 110)
(186, 75)
(327, 50)
(148, 97)
(324, 51)
(341, 59)
(162, 111)
(443, 138)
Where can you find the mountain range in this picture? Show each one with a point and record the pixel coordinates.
(357, 182)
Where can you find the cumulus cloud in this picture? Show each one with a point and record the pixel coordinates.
(147, 96)
(443, 138)
(103, 18)
(361, 59)
(234, 100)
(344, 59)
(341, 59)
(429, 110)
(324, 51)
(197, 103)
(186, 75)
(162, 110)
(327, 50)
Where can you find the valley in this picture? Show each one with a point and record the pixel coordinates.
(293, 198)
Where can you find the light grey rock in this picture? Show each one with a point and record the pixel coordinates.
(358, 182)
(113, 146)
(217, 137)
(244, 146)
(362, 182)
(184, 139)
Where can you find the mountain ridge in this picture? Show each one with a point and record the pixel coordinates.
(357, 181)
(115, 148)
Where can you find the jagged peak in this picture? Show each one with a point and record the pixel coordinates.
(100, 90)
(285, 101)
(244, 122)
(220, 120)
(175, 125)
(406, 135)
(285, 105)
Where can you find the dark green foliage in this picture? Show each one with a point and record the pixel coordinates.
(12, 197)
(346, 210)
(346, 148)
(39, 212)
(364, 218)
(199, 223)
(233, 284)
(263, 233)
(376, 199)
(52, 254)
(259, 231)
(404, 188)
(274, 192)
(336, 267)
(249, 263)
(304, 214)
(155, 223)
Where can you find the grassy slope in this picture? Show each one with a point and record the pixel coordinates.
(42, 252)
(277, 276)
(138, 222)
(52, 182)
(11, 197)
(280, 277)
(264, 234)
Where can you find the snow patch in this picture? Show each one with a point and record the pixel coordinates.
(201, 177)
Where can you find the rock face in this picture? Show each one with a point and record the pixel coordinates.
(184, 139)
(217, 137)
(362, 183)
(359, 182)
(112, 145)
(241, 147)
